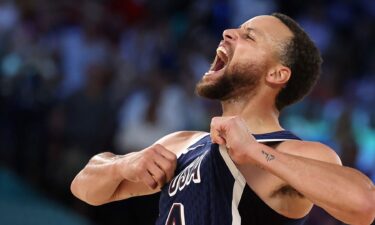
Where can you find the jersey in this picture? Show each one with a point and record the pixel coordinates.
(208, 189)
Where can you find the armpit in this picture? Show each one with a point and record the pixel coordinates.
(287, 190)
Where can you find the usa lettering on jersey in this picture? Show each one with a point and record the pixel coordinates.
(190, 173)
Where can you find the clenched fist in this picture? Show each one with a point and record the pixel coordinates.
(235, 135)
(153, 166)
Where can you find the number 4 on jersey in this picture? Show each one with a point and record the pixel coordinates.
(176, 215)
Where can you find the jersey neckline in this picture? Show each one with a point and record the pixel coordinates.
(281, 135)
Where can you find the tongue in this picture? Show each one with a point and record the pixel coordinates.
(218, 65)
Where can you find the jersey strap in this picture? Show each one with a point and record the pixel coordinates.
(276, 136)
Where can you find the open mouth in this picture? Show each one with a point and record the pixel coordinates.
(220, 61)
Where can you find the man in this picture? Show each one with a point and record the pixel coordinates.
(247, 170)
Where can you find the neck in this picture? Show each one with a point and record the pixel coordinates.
(258, 112)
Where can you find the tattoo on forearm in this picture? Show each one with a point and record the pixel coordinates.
(268, 156)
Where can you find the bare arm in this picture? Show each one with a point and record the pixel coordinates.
(108, 177)
(344, 192)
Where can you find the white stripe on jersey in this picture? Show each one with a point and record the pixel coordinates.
(238, 187)
(195, 140)
(273, 140)
(240, 181)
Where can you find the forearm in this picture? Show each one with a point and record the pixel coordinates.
(98, 181)
(108, 177)
(345, 193)
(342, 191)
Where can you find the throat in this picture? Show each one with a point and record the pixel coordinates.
(259, 117)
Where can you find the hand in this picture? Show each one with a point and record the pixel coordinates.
(154, 166)
(235, 135)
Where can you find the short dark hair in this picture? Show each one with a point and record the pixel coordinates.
(303, 58)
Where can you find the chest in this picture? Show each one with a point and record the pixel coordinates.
(206, 162)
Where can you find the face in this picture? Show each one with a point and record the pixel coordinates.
(244, 56)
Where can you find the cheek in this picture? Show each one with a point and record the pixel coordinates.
(243, 61)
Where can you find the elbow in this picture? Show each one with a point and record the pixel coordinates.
(92, 203)
(77, 190)
(74, 187)
(84, 195)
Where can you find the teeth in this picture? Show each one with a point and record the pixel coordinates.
(221, 49)
(222, 53)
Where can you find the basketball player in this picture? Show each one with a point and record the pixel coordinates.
(248, 169)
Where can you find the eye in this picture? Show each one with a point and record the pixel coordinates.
(247, 33)
(248, 36)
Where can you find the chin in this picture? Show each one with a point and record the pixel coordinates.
(216, 87)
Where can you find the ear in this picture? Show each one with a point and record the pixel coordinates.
(279, 76)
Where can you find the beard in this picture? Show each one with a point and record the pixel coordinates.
(237, 80)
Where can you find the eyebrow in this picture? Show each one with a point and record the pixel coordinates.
(250, 29)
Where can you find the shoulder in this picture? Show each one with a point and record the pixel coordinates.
(180, 140)
(311, 150)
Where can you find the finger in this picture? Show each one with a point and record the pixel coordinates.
(218, 139)
(217, 131)
(149, 180)
(165, 152)
(216, 136)
(168, 166)
(167, 161)
(157, 174)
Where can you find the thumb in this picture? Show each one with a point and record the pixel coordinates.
(217, 137)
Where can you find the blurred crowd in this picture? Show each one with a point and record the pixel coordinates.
(82, 77)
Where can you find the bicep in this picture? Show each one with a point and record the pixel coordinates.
(310, 150)
(293, 203)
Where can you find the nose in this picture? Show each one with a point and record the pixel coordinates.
(230, 35)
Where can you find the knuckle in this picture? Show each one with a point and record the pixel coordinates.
(160, 177)
(169, 167)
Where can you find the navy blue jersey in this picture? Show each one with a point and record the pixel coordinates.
(208, 189)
